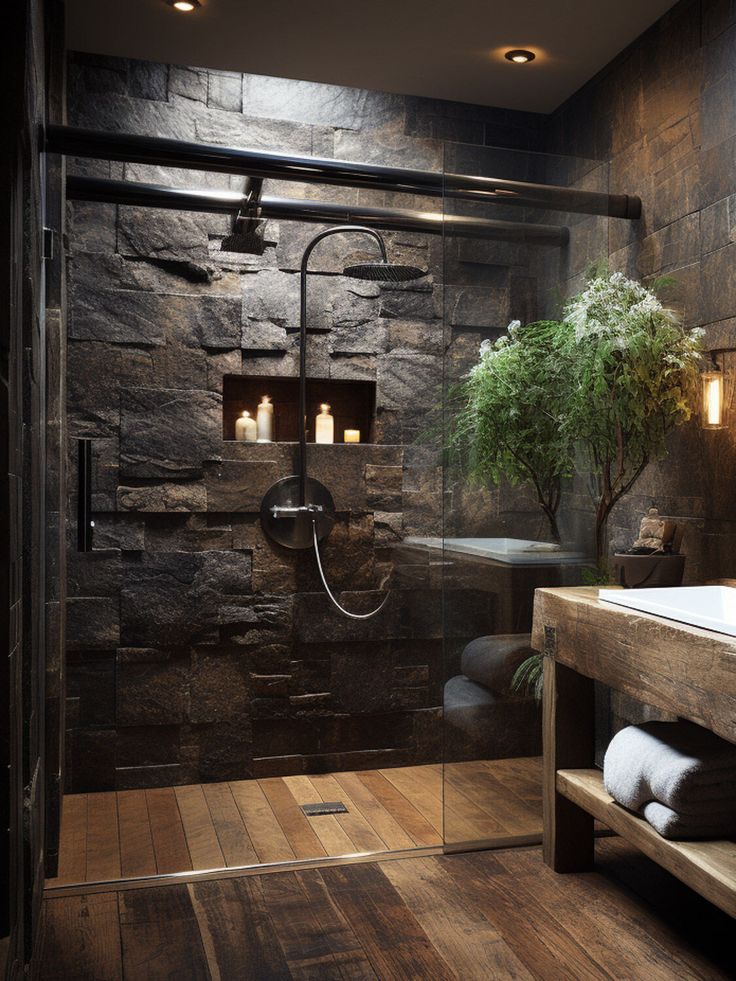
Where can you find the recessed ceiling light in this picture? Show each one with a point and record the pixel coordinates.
(520, 56)
(186, 6)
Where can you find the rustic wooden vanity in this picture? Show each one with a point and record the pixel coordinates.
(677, 668)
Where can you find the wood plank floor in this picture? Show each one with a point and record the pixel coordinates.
(483, 915)
(179, 829)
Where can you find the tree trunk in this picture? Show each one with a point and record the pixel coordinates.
(601, 534)
(553, 526)
(551, 516)
(550, 502)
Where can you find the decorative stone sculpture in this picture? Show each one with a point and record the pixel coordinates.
(651, 531)
(654, 559)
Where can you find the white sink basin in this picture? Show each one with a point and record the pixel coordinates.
(711, 607)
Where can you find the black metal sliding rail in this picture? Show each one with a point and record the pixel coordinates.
(315, 170)
(229, 202)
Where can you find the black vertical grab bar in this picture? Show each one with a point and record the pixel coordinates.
(85, 525)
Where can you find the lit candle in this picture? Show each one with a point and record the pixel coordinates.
(351, 436)
(264, 420)
(246, 428)
(324, 429)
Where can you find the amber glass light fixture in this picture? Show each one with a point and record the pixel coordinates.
(712, 409)
(520, 56)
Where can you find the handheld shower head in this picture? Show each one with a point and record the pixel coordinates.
(383, 272)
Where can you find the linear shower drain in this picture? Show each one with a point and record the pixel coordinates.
(324, 807)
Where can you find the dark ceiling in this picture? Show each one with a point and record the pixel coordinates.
(450, 49)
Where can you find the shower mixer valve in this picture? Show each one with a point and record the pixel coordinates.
(281, 501)
(293, 511)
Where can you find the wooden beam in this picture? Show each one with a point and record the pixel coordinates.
(568, 733)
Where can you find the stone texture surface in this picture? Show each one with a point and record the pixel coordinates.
(216, 653)
(178, 598)
(151, 686)
(93, 622)
(164, 498)
(164, 433)
(666, 120)
(119, 316)
(225, 91)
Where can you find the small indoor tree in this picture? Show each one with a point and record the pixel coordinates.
(597, 393)
(632, 373)
(508, 411)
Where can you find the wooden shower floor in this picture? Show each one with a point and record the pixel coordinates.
(133, 833)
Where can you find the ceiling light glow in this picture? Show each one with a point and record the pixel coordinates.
(520, 56)
(185, 6)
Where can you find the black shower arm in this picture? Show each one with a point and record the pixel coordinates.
(325, 233)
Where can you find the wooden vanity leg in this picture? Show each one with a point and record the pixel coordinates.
(568, 744)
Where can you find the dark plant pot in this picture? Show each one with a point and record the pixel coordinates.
(648, 571)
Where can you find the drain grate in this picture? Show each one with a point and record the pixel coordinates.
(324, 807)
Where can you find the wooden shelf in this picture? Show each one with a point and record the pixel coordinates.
(353, 404)
(708, 867)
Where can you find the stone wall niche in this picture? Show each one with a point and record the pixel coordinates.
(353, 404)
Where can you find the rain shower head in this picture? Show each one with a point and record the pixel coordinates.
(384, 272)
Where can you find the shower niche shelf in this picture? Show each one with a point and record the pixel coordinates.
(353, 404)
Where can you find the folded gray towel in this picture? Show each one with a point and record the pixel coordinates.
(681, 765)
(670, 824)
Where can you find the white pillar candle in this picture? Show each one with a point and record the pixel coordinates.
(264, 420)
(246, 428)
(324, 429)
(351, 435)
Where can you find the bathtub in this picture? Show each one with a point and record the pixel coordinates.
(510, 551)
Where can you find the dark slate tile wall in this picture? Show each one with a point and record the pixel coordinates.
(664, 114)
(197, 649)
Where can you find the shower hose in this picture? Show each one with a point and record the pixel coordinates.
(347, 613)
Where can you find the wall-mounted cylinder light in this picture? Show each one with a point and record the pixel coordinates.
(712, 409)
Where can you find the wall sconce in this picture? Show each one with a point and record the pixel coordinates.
(712, 382)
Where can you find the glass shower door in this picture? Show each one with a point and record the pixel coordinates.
(498, 545)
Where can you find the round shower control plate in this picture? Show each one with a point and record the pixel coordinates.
(290, 525)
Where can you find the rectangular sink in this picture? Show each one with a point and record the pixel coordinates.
(710, 607)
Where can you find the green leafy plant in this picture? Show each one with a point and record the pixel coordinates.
(595, 576)
(632, 377)
(508, 410)
(597, 393)
(529, 676)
